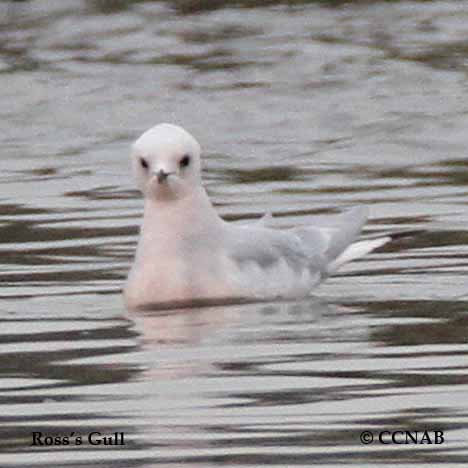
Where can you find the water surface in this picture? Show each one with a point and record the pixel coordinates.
(302, 108)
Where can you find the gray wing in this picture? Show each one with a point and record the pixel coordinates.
(332, 236)
(265, 220)
(266, 247)
(311, 247)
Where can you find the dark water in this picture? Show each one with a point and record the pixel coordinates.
(302, 108)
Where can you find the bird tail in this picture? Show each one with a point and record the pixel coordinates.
(363, 247)
(347, 228)
(356, 250)
(335, 239)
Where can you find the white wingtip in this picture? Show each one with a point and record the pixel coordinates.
(357, 250)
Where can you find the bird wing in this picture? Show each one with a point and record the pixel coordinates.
(333, 235)
(334, 238)
(265, 220)
(318, 250)
(266, 247)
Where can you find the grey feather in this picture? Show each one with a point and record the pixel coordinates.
(266, 247)
(308, 247)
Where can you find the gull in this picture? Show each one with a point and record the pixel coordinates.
(187, 253)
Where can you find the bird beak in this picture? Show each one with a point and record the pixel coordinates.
(161, 175)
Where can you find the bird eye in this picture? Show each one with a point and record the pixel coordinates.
(185, 161)
(144, 163)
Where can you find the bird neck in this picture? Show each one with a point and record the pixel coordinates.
(167, 221)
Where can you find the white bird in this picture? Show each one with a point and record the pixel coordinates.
(187, 254)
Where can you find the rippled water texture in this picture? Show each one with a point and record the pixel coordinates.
(302, 108)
